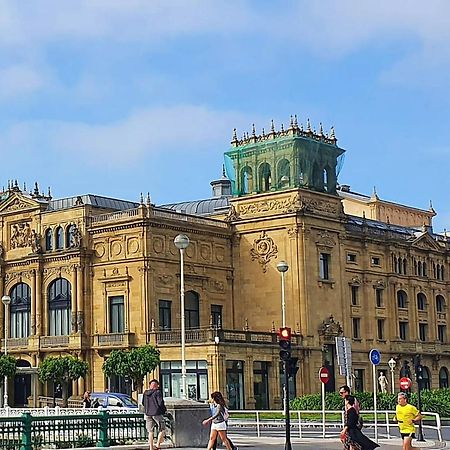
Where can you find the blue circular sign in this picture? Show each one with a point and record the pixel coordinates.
(375, 357)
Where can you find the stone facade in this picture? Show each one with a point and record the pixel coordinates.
(383, 286)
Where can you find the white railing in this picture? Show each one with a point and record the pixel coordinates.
(330, 427)
(58, 411)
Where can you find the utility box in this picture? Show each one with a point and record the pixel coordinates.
(188, 415)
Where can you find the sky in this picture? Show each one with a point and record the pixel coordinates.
(115, 97)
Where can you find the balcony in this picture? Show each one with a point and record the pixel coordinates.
(47, 342)
(113, 340)
(15, 343)
(208, 335)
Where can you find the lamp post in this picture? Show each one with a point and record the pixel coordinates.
(392, 363)
(181, 243)
(283, 267)
(6, 300)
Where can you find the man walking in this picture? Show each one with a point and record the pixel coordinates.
(154, 408)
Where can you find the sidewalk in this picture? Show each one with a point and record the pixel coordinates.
(277, 443)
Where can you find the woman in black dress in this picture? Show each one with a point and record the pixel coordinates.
(351, 435)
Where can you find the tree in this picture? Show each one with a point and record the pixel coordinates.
(134, 363)
(62, 370)
(7, 366)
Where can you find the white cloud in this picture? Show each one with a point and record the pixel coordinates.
(19, 80)
(126, 142)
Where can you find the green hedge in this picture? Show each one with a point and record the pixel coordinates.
(436, 400)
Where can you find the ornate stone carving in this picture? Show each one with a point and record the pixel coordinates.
(80, 321)
(293, 232)
(356, 281)
(216, 286)
(164, 280)
(379, 284)
(311, 205)
(75, 237)
(263, 250)
(20, 235)
(325, 239)
(275, 205)
(232, 214)
(35, 242)
(17, 204)
(330, 329)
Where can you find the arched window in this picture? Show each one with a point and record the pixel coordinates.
(426, 378)
(192, 309)
(402, 299)
(20, 310)
(440, 303)
(59, 238)
(265, 177)
(59, 310)
(69, 235)
(283, 173)
(49, 240)
(424, 269)
(246, 180)
(443, 377)
(421, 301)
(396, 265)
(404, 266)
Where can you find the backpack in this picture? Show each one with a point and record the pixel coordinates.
(226, 414)
(359, 423)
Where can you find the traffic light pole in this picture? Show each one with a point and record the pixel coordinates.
(419, 404)
(287, 418)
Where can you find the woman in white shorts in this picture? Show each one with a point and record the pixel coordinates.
(218, 423)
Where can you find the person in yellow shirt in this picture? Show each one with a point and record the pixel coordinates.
(406, 416)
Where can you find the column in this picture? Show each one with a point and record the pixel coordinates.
(250, 401)
(33, 304)
(73, 303)
(39, 328)
(2, 309)
(79, 298)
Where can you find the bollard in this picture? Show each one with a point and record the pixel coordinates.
(26, 433)
(103, 439)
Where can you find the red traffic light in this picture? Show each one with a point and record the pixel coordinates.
(285, 333)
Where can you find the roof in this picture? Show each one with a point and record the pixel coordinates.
(200, 207)
(92, 200)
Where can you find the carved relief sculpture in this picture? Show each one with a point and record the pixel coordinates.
(263, 250)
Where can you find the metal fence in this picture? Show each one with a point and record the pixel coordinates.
(91, 428)
(312, 424)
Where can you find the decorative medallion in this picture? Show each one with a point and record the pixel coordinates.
(263, 250)
(99, 250)
(133, 246)
(325, 239)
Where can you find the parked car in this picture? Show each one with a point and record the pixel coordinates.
(112, 400)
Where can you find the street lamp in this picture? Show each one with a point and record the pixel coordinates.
(6, 300)
(182, 242)
(392, 363)
(283, 267)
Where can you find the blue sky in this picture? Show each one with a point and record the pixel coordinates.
(118, 97)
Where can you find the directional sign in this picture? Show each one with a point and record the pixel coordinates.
(405, 383)
(375, 357)
(344, 355)
(324, 375)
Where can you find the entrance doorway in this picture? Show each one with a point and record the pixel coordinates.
(22, 384)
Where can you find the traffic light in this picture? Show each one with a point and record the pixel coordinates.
(292, 367)
(284, 341)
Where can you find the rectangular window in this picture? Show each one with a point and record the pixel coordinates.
(165, 314)
(442, 333)
(355, 300)
(351, 257)
(324, 264)
(423, 331)
(356, 328)
(379, 297)
(380, 329)
(216, 316)
(375, 261)
(403, 330)
(116, 314)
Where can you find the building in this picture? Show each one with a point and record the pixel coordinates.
(89, 274)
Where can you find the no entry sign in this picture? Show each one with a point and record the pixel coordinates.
(324, 375)
(405, 383)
